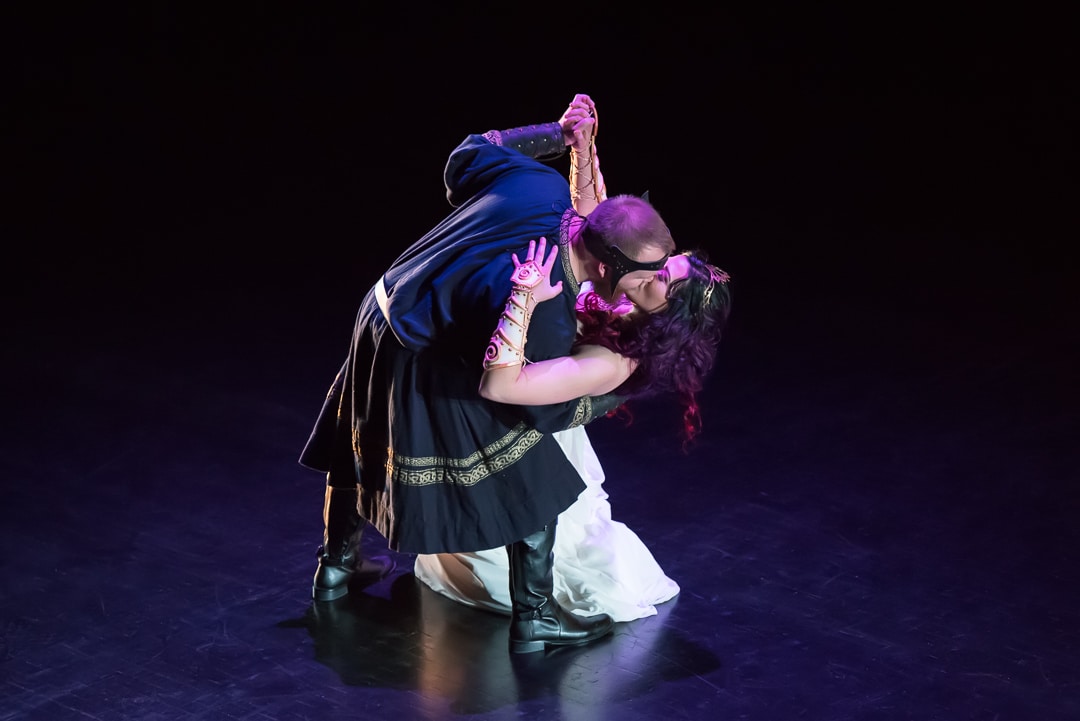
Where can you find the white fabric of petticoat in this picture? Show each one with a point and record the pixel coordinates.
(601, 566)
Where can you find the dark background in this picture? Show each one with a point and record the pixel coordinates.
(921, 158)
(891, 188)
(880, 518)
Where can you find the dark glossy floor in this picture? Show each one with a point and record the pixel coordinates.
(880, 521)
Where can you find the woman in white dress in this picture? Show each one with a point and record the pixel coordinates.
(663, 341)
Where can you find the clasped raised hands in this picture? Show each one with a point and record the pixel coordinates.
(578, 122)
(534, 273)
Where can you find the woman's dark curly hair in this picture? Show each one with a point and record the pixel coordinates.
(675, 347)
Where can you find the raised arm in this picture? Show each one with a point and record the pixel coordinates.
(509, 378)
(547, 141)
(580, 123)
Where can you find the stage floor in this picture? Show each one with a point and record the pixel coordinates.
(878, 523)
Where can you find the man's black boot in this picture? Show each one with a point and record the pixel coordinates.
(537, 620)
(339, 557)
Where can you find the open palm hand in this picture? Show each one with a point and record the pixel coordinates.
(535, 275)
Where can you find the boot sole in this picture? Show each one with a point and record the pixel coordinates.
(535, 646)
(328, 594)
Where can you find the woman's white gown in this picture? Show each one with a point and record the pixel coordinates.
(601, 566)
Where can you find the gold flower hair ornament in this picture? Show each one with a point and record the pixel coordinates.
(715, 276)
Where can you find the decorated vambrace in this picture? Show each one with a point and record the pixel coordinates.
(543, 142)
(507, 347)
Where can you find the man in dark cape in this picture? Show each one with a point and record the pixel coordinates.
(405, 439)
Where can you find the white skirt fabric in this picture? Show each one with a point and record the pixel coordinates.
(601, 566)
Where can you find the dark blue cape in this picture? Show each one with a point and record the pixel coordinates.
(440, 468)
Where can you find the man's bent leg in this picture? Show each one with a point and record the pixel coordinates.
(340, 557)
(537, 620)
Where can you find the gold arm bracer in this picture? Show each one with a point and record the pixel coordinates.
(507, 346)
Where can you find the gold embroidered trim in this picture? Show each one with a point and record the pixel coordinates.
(583, 412)
(468, 471)
(564, 251)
